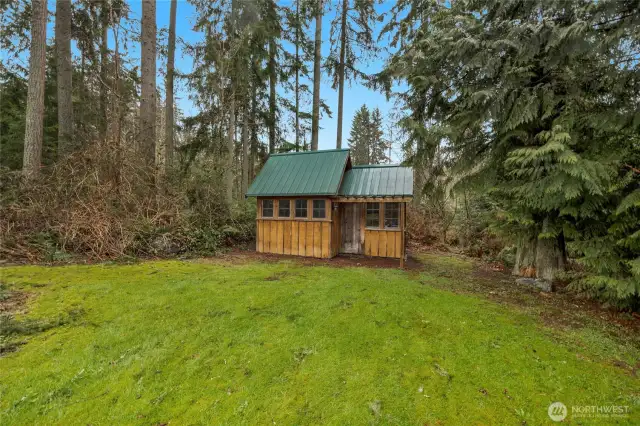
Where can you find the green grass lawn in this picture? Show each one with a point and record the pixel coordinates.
(283, 343)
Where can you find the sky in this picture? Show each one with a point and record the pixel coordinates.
(356, 94)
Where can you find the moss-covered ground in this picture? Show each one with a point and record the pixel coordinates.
(172, 342)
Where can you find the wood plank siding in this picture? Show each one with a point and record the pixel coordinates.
(323, 237)
(382, 243)
(299, 236)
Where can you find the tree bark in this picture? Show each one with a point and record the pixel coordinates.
(315, 119)
(341, 65)
(104, 26)
(525, 260)
(254, 132)
(116, 121)
(147, 137)
(272, 96)
(550, 255)
(245, 150)
(64, 71)
(169, 121)
(297, 75)
(230, 149)
(34, 127)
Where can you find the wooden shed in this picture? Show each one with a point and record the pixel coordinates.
(317, 204)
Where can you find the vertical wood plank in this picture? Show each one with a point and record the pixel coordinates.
(317, 239)
(259, 236)
(266, 236)
(308, 248)
(286, 244)
(273, 248)
(367, 243)
(398, 239)
(403, 210)
(374, 243)
(382, 244)
(391, 244)
(294, 238)
(279, 240)
(326, 239)
(302, 239)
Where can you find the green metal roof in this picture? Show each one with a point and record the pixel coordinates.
(377, 181)
(301, 173)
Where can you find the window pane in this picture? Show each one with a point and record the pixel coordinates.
(373, 215)
(267, 208)
(284, 208)
(318, 209)
(391, 215)
(301, 208)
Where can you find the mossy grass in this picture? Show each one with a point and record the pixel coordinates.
(283, 343)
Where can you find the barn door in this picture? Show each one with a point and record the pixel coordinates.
(351, 216)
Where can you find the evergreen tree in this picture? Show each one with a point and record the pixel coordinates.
(352, 42)
(366, 138)
(377, 142)
(539, 99)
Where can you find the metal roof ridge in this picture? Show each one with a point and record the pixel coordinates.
(309, 152)
(370, 166)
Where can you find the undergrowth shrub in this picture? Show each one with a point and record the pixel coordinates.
(92, 206)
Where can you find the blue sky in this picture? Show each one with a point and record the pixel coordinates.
(355, 93)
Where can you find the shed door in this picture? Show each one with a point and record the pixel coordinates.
(351, 216)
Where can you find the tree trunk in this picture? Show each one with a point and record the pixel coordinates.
(169, 118)
(550, 255)
(343, 47)
(34, 127)
(245, 151)
(315, 119)
(64, 71)
(116, 121)
(254, 132)
(272, 96)
(525, 256)
(104, 26)
(230, 149)
(297, 75)
(147, 138)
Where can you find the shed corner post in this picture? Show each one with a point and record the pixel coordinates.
(402, 239)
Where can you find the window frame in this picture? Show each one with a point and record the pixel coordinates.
(289, 208)
(306, 208)
(313, 210)
(398, 211)
(366, 215)
(273, 206)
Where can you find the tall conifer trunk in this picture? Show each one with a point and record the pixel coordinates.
(147, 137)
(341, 66)
(272, 96)
(231, 145)
(104, 26)
(297, 75)
(315, 118)
(34, 127)
(245, 150)
(64, 76)
(169, 121)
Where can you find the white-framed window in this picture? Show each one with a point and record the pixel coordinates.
(267, 208)
(319, 209)
(284, 208)
(392, 215)
(373, 215)
(301, 209)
